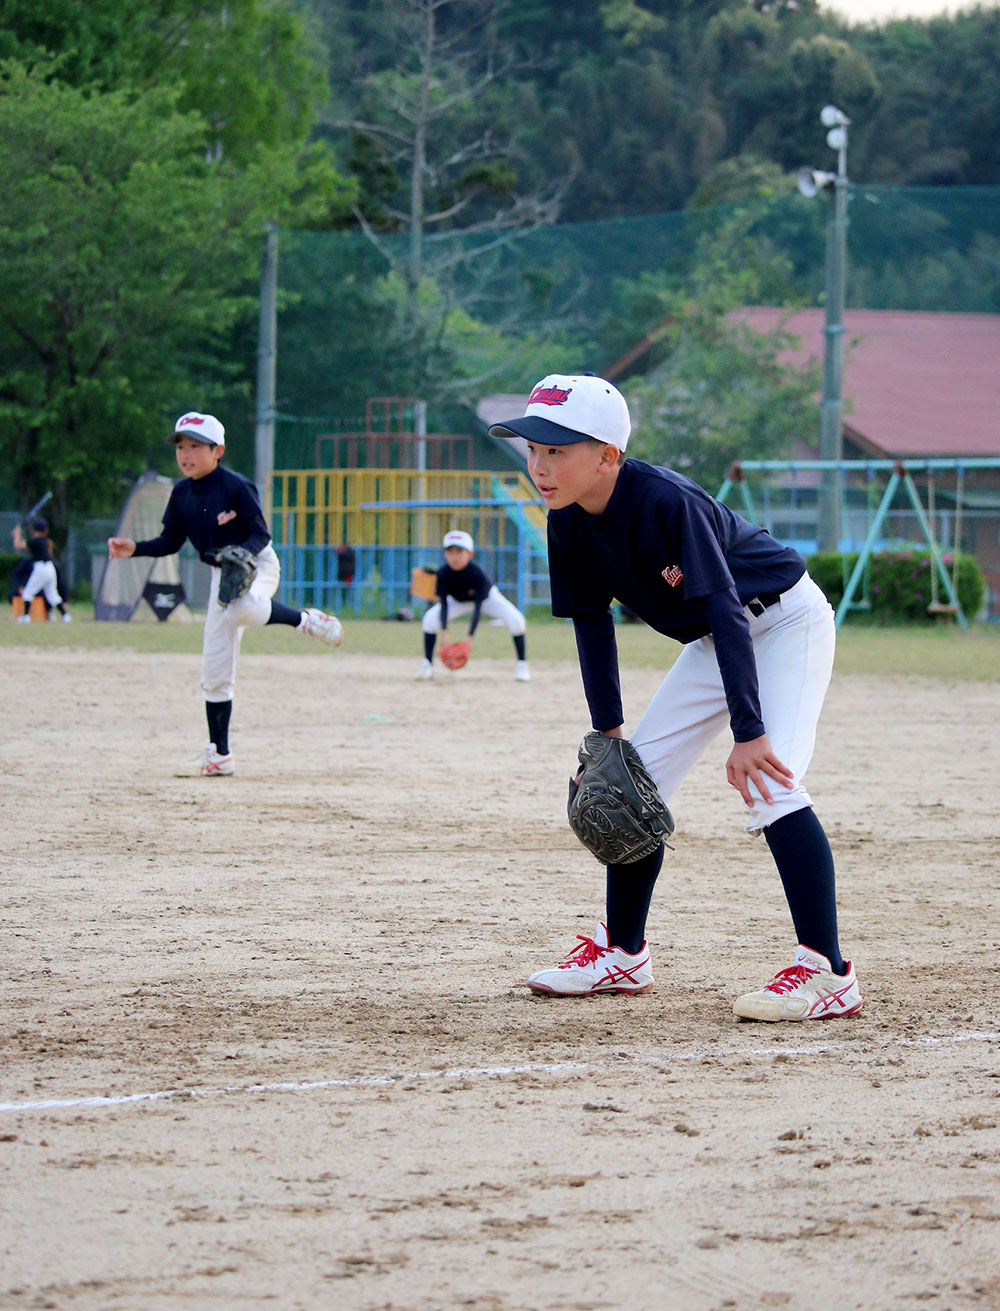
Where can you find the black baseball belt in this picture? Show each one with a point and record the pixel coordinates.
(763, 602)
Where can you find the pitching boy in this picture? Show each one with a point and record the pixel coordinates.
(758, 639)
(214, 507)
(465, 589)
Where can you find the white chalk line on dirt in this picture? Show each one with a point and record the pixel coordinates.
(485, 1072)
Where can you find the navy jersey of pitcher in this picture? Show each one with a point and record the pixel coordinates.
(220, 509)
(684, 563)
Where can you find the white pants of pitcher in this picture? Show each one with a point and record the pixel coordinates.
(224, 626)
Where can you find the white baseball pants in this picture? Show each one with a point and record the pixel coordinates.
(41, 579)
(495, 606)
(224, 626)
(793, 644)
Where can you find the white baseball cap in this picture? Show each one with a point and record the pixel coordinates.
(202, 427)
(457, 538)
(566, 408)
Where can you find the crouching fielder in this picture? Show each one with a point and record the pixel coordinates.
(464, 589)
(215, 508)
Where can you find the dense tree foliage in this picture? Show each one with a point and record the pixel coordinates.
(253, 69)
(128, 257)
(619, 108)
(708, 388)
(143, 149)
(631, 105)
(433, 144)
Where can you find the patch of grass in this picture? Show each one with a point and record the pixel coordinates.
(944, 652)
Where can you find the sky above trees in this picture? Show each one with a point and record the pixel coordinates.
(879, 11)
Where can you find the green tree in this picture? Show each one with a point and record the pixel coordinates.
(740, 178)
(252, 69)
(427, 114)
(128, 257)
(714, 390)
(934, 119)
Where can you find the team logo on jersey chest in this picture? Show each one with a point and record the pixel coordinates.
(671, 575)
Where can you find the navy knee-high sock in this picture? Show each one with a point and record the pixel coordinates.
(429, 640)
(629, 890)
(802, 854)
(218, 713)
(284, 614)
(519, 646)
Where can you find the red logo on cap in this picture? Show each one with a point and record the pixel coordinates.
(192, 419)
(549, 396)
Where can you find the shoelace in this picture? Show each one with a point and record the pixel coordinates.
(787, 980)
(586, 954)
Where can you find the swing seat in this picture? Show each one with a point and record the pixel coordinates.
(942, 608)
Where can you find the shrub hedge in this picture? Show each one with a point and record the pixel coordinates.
(8, 559)
(900, 583)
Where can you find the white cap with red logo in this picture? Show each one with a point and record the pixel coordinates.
(202, 427)
(457, 538)
(565, 408)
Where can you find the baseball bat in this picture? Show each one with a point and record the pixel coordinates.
(37, 506)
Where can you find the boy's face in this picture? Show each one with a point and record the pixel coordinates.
(583, 474)
(457, 556)
(196, 459)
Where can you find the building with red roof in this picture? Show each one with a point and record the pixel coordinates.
(914, 383)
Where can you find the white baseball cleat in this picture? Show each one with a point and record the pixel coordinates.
(594, 967)
(522, 673)
(425, 671)
(209, 764)
(327, 628)
(23, 619)
(807, 990)
(67, 618)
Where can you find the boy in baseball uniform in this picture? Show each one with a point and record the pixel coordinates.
(213, 507)
(758, 637)
(464, 589)
(43, 578)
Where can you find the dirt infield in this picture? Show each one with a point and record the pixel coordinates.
(265, 1040)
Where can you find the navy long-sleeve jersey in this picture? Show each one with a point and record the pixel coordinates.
(221, 509)
(684, 563)
(468, 584)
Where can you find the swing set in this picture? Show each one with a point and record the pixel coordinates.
(857, 586)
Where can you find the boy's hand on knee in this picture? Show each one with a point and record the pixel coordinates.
(749, 762)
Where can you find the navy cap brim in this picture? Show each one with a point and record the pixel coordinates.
(543, 432)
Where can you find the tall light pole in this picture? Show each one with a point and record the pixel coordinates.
(831, 439)
(267, 353)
